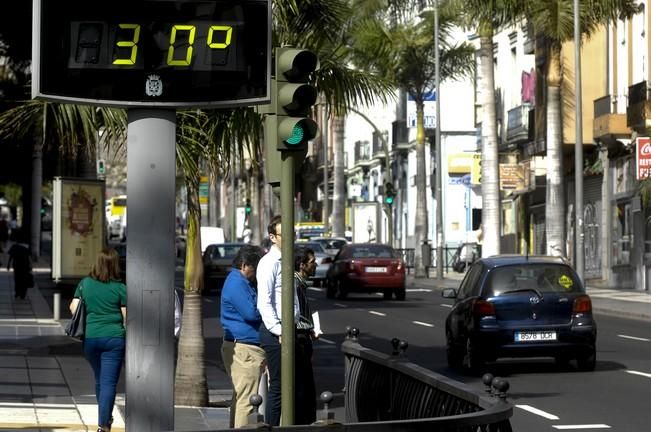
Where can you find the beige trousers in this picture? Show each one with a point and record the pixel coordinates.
(245, 364)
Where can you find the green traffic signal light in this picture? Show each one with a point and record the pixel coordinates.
(389, 200)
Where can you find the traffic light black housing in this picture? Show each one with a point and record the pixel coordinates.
(294, 98)
(389, 193)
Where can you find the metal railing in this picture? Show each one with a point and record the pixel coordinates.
(404, 396)
(388, 393)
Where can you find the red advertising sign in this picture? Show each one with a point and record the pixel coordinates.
(643, 158)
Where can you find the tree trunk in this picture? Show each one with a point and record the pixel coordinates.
(339, 194)
(555, 202)
(489, 154)
(421, 223)
(191, 388)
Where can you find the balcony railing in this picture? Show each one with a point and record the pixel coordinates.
(517, 129)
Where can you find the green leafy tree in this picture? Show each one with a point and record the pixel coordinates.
(554, 19)
(401, 48)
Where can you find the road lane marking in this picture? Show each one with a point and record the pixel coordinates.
(634, 338)
(377, 313)
(412, 290)
(632, 372)
(583, 426)
(341, 305)
(423, 323)
(536, 411)
(328, 341)
(445, 305)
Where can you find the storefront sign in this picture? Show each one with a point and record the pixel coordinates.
(643, 158)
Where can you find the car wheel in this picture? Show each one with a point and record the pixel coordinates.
(387, 294)
(330, 289)
(476, 362)
(341, 291)
(454, 354)
(401, 294)
(587, 361)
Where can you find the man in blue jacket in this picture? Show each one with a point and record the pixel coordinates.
(243, 358)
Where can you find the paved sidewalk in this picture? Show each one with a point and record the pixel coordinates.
(47, 385)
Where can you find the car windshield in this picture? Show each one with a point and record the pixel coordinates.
(539, 278)
(225, 251)
(315, 246)
(372, 252)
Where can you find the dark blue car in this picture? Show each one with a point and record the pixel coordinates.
(520, 306)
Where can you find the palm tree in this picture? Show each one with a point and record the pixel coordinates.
(202, 136)
(402, 50)
(326, 28)
(486, 16)
(554, 19)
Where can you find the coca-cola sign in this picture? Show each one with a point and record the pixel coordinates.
(643, 158)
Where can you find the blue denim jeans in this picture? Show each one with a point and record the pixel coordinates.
(105, 355)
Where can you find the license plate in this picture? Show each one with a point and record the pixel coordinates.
(535, 336)
(376, 269)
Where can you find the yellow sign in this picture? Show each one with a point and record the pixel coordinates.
(565, 281)
(460, 163)
(475, 171)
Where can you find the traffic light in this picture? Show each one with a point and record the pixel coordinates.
(247, 209)
(389, 193)
(294, 98)
(101, 167)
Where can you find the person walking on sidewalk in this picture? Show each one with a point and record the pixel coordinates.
(104, 343)
(269, 306)
(243, 358)
(305, 389)
(19, 259)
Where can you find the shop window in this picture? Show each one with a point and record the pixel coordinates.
(622, 233)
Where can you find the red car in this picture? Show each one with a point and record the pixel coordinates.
(367, 268)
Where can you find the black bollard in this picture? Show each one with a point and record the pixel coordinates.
(255, 418)
(325, 416)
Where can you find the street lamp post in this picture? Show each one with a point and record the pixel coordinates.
(439, 149)
(578, 147)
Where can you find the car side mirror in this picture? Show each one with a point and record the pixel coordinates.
(450, 293)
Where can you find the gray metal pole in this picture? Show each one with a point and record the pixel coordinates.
(150, 270)
(440, 240)
(234, 201)
(326, 178)
(287, 271)
(578, 148)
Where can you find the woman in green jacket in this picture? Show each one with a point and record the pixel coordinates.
(104, 343)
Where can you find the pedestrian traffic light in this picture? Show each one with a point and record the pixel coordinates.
(247, 209)
(294, 98)
(389, 193)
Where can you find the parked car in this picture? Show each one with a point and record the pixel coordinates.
(217, 263)
(368, 268)
(323, 261)
(520, 306)
(332, 245)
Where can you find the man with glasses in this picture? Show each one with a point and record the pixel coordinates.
(269, 280)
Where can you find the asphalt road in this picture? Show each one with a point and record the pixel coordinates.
(546, 397)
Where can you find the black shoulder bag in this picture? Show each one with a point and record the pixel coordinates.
(77, 325)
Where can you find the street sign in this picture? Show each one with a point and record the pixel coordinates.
(643, 158)
(153, 53)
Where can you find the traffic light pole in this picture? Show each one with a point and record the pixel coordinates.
(287, 187)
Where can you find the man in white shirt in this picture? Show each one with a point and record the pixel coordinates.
(269, 280)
